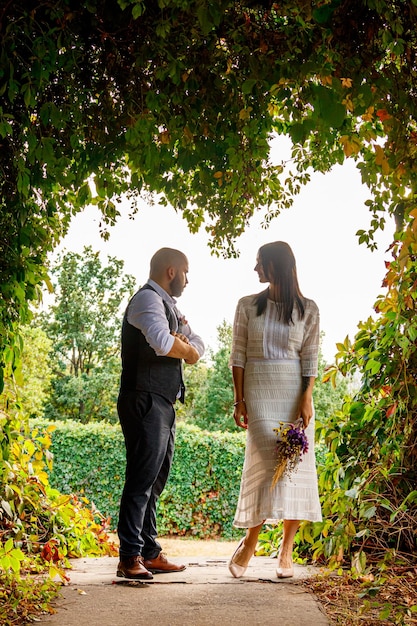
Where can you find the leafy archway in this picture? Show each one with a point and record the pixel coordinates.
(180, 98)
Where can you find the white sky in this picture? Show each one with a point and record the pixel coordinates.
(343, 277)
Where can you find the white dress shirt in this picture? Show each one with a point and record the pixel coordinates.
(147, 312)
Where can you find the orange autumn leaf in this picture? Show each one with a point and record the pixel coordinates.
(383, 115)
(326, 80)
(351, 145)
(164, 137)
(381, 160)
(219, 177)
(368, 116)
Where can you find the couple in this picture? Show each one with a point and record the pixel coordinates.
(274, 364)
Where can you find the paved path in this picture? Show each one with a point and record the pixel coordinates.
(205, 594)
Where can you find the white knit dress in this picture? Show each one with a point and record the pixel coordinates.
(275, 356)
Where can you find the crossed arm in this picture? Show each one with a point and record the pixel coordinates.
(182, 349)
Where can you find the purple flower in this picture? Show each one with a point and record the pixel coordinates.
(291, 444)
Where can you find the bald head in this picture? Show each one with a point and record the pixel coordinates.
(169, 269)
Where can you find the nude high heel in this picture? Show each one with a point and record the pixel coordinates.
(236, 570)
(284, 572)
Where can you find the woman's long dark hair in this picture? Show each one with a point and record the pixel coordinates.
(278, 264)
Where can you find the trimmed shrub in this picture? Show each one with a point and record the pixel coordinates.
(200, 496)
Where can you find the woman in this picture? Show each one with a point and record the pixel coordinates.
(274, 363)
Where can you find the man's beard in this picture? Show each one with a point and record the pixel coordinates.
(177, 287)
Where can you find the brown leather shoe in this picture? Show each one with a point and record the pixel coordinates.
(133, 568)
(161, 565)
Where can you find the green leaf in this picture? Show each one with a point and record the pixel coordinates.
(331, 111)
(352, 493)
(7, 509)
(369, 512)
(5, 129)
(324, 13)
(386, 612)
(248, 85)
(204, 18)
(138, 9)
(8, 546)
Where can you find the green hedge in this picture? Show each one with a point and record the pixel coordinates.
(200, 496)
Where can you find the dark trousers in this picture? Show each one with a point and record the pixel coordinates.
(148, 425)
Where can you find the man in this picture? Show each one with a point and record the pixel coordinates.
(155, 340)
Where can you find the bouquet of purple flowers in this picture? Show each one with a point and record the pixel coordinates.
(291, 445)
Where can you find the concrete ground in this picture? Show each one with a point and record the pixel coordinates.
(205, 594)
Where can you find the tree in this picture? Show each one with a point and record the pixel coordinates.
(213, 405)
(86, 397)
(328, 398)
(28, 390)
(84, 321)
(84, 325)
(36, 371)
(194, 380)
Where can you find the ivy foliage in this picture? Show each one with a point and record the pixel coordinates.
(370, 476)
(40, 529)
(34, 515)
